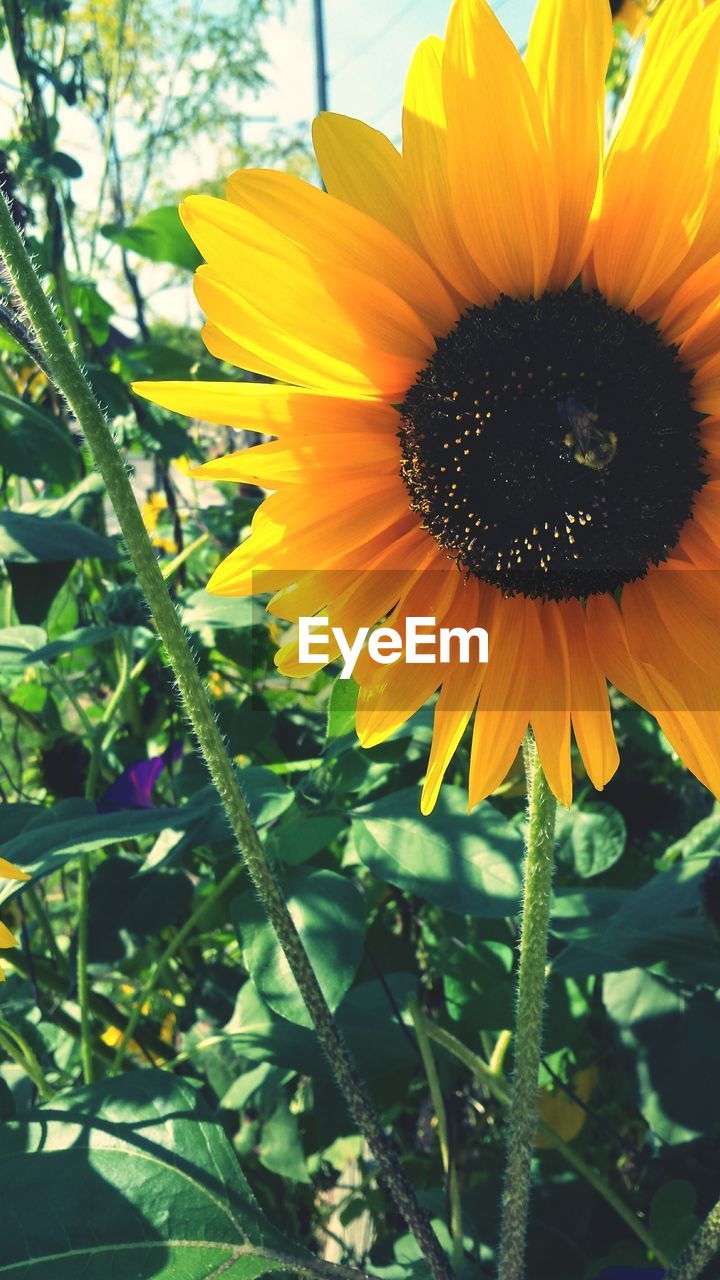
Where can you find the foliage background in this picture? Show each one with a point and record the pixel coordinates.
(207, 1080)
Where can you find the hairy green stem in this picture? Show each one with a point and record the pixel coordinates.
(537, 882)
(497, 1085)
(72, 383)
(701, 1250)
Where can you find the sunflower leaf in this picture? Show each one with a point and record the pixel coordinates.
(144, 1183)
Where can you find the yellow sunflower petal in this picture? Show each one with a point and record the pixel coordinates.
(273, 410)
(703, 247)
(8, 871)
(501, 173)
(329, 351)
(404, 544)
(283, 537)
(659, 168)
(362, 602)
(223, 348)
(361, 166)
(330, 230)
(567, 57)
(691, 299)
(504, 706)
(608, 640)
(591, 718)
(425, 152)
(258, 283)
(389, 696)
(303, 461)
(551, 717)
(461, 685)
(7, 939)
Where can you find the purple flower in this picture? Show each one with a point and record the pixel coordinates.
(133, 788)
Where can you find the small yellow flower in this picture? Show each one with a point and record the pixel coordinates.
(152, 509)
(8, 871)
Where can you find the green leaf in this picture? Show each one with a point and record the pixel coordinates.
(341, 709)
(467, 863)
(329, 913)
(30, 539)
(217, 612)
(66, 165)
(18, 646)
(51, 836)
(675, 1042)
(366, 1017)
(660, 924)
(159, 236)
(673, 1220)
(590, 839)
(304, 835)
(35, 587)
(34, 444)
(281, 1149)
(80, 638)
(144, 1183)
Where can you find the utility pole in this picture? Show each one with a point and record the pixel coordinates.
(320, 66)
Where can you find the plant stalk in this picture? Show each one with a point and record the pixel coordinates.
(496, 1084)
(701, 1250)
(72, 383)
(537, 882)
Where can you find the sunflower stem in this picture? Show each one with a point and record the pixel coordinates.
(537, 881)
(74, 386)
(701, 1250)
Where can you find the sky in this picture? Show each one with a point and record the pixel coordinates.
(369, 46)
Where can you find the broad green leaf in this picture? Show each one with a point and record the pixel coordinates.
(281, 1149)
(18, 646)
(329, 914)
(674, 1038)
(52, 836)
(467, 863)
(130, 1178)
(367, 1017)
(217, 612)
(267, 798)
(32, 443)
(81, 501)
(304, 835)
(159, 236)
(30, 539)
(590, 839)
(242, 1090)
(673, 1217)
(658, 924)
(80, 638)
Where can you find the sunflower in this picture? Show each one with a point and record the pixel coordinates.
(497, 387)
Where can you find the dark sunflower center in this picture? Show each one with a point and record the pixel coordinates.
(551, 446)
